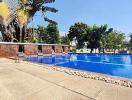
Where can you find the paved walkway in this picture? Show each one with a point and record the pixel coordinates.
(27, 81)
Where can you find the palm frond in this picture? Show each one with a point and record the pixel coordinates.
(45, 8)
(49, 20)
(48, 1)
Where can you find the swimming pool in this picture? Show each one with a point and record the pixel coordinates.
(115, 65)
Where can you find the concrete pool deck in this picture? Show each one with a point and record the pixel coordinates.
(29, 81)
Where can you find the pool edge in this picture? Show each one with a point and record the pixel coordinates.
(87, 74)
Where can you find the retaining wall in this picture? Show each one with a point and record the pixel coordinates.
(8, 50)
(30, 49)
(11, 49)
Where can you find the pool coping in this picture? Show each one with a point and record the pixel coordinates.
(86, 74)
(104, 53)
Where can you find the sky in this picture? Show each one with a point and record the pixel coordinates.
(116, 13)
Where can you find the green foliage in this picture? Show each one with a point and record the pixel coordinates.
(90, 35)
(52, 31)
(43, 37)
(74, 50)
(31, 35)
(20, 16)
(81, 50)
(32, 6)
(130, 42)
(65, 40)
(77, 32)
(94, 35)
(47, 35)
(114, 40)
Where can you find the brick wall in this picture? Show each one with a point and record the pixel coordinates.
(8, 50)
(30, 49)
(58, 49)
(47, 49)
(65, 49)
(11, 49)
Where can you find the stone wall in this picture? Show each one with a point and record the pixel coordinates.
(58, 49)
(65, 49)
(54, 49)
(11, 49)
(30, 49)
(8, 50)
(47, 49)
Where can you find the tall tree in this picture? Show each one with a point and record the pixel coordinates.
(77, 32)
(130, 43)
(113, 40)
(19, 19)
(94, 35)
(43, 37)
(31, 35)
(65, 40)
(53, 32)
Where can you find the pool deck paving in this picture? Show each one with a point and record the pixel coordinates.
(30, 81)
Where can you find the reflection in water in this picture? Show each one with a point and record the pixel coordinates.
(86, 57)
(105, 58)
(126, 59)
(73, 57)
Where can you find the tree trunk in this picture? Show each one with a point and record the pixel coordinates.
(99, 50)
(114, 51)
(103, 50)
(23, 32)
(91, 50)
(17, 32)
(2, 32)
(21, 27)
(5, 34)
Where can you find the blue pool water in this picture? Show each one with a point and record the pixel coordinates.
(115, 65)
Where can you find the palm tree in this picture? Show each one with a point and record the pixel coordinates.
(4, 14)
(20, 17)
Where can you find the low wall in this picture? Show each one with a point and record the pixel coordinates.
(11, 49)
(58, 49)
(47, 49)
(65, 48)
(8, 50)
(30, 49)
